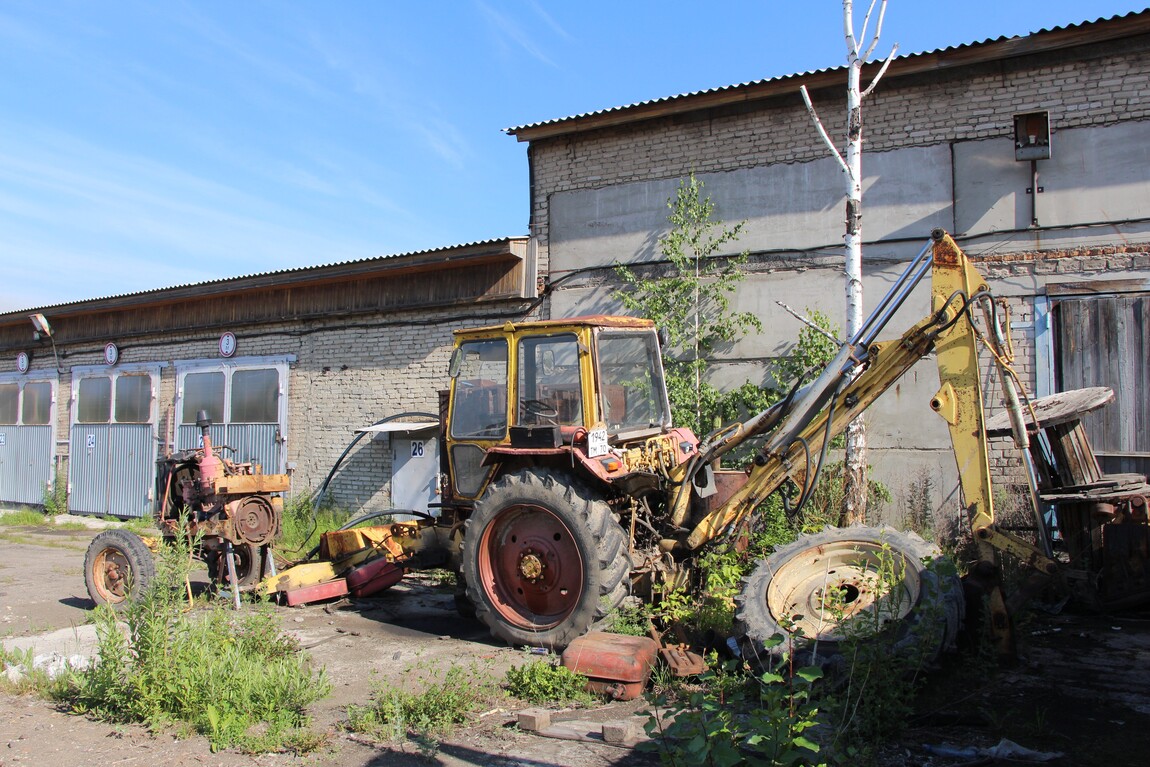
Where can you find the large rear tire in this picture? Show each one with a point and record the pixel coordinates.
(118, 566)
(543, 559)
(809, 590)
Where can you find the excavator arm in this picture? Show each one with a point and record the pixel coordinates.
(799, 430)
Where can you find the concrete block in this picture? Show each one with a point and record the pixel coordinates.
(534, 719)
(619, 732)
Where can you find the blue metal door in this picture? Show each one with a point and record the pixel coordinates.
(112, 446)
(27, 434)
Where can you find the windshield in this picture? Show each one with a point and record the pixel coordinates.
(550, 391)
(479, 408)
(631, 383)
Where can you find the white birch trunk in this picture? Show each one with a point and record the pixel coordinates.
(855, 469)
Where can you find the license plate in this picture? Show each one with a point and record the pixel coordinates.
(596, 442)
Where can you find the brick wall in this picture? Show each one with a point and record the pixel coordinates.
(1087, 86)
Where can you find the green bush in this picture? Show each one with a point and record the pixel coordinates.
(540, 681)
(736, 718)
(882, 674)
(55, 498)
(632, 618)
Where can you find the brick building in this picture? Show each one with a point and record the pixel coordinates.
(940, 151)
(316, 353)
(287, 365)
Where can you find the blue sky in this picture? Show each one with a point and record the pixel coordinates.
(151, 144)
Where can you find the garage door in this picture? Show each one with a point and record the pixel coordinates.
(27, 434)
(112, 446)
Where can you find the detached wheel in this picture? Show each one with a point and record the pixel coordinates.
(543, 559)
(820, 583)
(117, 567)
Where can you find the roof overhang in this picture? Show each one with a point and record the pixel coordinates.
(1106, 30)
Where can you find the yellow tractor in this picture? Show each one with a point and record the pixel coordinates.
(568, 487)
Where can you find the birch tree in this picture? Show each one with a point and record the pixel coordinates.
(850, 162)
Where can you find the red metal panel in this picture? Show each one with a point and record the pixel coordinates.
(373, 577)
(616, 665)
(316, 593)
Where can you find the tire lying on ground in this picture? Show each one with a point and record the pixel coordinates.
(821, 583)
(543, 559)
(118, 566)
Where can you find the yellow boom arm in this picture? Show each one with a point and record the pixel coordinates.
(861, 372)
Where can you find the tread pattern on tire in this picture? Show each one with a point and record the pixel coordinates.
(578, 505)
(134, 551)
(940, 599)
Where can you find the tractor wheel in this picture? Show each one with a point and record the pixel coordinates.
(117, 568)
(463, 605)
(543, 559)
(809, 591)
(249, 566)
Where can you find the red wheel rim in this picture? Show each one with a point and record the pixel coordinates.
(111, 573)
(531, 567)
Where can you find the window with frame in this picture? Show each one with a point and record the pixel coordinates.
(9, 403)
(36, 409)
(133, 398)
(203, 391)
(255, 396)
(94, 400)
(550, 386)
(479, 408)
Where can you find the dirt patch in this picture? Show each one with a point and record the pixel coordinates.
(1082, 686)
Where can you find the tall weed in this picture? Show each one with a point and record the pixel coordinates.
(736, 718)
(233, 677)
(303, 523)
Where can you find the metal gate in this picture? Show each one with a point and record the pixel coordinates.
(27, 437)
(112, 446)
(246, 401)
(1103, 341)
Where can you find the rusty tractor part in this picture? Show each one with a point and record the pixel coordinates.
(231, 511)
(678, 658)
(615, 665)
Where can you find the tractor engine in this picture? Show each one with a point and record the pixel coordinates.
(227, 506)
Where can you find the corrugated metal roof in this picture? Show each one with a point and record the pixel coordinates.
(258, 275)
(801, 75)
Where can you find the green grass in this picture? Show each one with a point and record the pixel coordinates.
(396, 712)
(302, 529)
(25, 518)
(543, 682)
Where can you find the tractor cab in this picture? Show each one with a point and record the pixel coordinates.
(550, 387)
